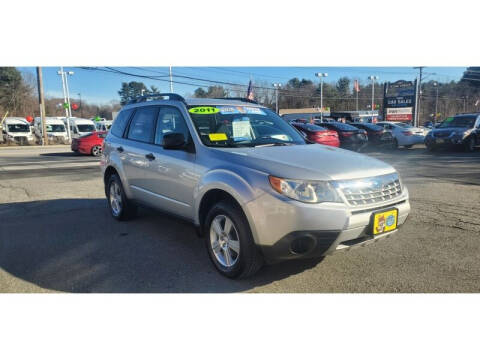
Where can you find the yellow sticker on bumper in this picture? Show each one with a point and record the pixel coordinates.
(217, 137)
(385, 221)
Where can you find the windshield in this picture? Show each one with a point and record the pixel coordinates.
(406, 126)
(371, 127)
(18, 128)
(458, 121)
(55, 128)
(339, 126)
(85, 128)
(241, 126)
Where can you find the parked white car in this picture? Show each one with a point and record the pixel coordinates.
(404, 134)
(56, 129)
(80, 127)
(17, 130)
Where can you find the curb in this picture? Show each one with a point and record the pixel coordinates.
(16, 147)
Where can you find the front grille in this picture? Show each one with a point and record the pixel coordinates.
(370, 190)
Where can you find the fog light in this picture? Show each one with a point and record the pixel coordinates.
(303, 245)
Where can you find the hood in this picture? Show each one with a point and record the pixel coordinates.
(450, 129)
(443, 132)
(308, 162)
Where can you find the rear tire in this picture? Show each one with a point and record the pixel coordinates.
(230, 243)
(120, 207)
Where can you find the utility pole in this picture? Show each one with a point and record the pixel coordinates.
(436, 103)
(373, 78)
(41, 101)
(465, 104)
(81, 109)
(321, 76)
(171, 80)
(276, 86)
(357, 91)
(419, 90)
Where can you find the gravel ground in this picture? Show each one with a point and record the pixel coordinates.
(57, 235)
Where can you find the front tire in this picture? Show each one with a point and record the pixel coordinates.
(230, 243)
(120, 207)
(430, 146)
(469, 145)
(96, 150)
(395, 144)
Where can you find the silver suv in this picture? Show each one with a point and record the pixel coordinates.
(250, 183)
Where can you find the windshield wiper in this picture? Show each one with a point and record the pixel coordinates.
(274, 144)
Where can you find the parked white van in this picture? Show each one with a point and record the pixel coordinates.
(17, 130)
(80, 127)
(56, 129)
(104, 125)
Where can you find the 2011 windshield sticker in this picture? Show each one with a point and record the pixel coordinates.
(204, 110)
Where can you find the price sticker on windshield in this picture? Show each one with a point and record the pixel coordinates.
(217, 137)
(204, 110)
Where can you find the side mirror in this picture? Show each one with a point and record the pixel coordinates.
(173, 141)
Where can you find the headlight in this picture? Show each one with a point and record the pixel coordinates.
(305, 190)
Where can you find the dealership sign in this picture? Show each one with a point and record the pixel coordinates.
(399, 100)
(399, 114)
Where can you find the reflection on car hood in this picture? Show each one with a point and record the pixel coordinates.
(310, 162)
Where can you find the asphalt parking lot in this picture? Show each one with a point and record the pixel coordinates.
(56, 234)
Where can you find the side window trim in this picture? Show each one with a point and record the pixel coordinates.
(127, 127)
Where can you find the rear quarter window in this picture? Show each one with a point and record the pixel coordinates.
(120, 122)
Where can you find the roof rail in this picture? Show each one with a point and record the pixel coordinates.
(238, 98)
(171, 96)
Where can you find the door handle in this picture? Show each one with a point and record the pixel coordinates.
(150, 157)
(120, 149)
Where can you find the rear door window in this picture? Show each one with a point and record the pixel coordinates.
(142, 125)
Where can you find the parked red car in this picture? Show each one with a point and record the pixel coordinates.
(90, 144)
(318, 134)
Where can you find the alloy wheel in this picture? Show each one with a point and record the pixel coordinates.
(224, 241)
(96, 150)
(115, 198)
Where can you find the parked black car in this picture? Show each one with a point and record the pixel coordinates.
(350, 137)
(462, 130)
(377, 135)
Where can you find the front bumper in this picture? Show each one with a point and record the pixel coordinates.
(444, 141)
(288, 229)
(412, 140)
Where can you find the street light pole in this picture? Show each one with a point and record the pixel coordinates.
(276, 86)
(321, 76)
(373, 78)
(62, 74)
(171, 80)
(68, 91)
(41, 100)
